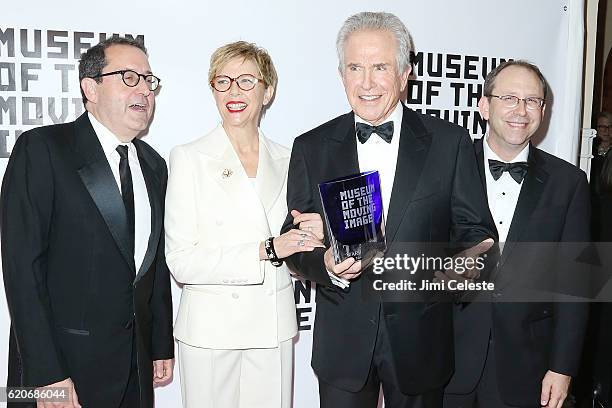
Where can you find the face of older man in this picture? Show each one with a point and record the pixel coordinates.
(371, 79)
(125, 111)
(510, 128)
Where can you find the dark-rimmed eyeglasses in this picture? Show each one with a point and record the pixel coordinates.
(223, 83)
(132, 78)
(511, 101)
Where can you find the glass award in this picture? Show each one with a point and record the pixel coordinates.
(353, 211)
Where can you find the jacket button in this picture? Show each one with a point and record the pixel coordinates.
(235, 295)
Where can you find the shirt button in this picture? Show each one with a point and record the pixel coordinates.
(503, 193)
(235, 295)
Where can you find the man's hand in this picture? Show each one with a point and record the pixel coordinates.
(554, 389)
(73, 400)
(309, 222)
(347, 269)
(469, 256)
(162, 371)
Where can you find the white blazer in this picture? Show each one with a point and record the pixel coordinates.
(214, 222)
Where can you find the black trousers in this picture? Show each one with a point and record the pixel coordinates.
(486, 393)
(382, 372)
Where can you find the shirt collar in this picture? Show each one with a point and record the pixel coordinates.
(107, 139)
(490, 154)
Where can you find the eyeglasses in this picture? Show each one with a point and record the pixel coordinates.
(132, 78)
(223, 83)
(511, 101)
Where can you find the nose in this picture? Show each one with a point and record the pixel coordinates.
(234, 88)
(143, 88)
(367, 82)
(521, 108)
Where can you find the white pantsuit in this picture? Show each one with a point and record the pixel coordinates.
(236, 312)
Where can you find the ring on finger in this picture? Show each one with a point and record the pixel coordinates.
(303, 236)
(301, 242)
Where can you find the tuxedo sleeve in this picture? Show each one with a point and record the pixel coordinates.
(471, 220)
(309, 265)
(27, 209)
(570, 318)
(161, 300)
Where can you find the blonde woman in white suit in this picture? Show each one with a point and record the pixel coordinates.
(226, 200)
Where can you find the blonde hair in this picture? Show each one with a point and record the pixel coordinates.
(246, 51)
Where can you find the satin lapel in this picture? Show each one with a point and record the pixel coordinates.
(96, 175)
(481, 164)
(411, 156)
(534, 184)
(271, 175)
(341, 148)
(148, 167)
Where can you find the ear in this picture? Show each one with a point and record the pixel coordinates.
(404, 77)
(483, 107)
(90, 89)
(268, 93)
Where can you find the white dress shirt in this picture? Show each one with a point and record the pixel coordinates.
(503, 193)
(142, 207)
(376, 154)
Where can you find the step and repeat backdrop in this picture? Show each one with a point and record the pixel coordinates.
(457, 43)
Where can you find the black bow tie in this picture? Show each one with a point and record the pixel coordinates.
(517, 170)
(364, 131)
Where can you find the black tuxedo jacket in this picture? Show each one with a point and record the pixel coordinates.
(530, 338)
(436, 197)
(74, 296)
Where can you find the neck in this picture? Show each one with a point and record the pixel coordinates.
(506, 152)
(244, 139)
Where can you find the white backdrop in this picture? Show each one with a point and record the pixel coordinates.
(457, 42)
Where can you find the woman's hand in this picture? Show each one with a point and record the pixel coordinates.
(310, 222)
(294, 241)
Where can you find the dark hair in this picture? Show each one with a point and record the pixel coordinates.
(93, 61)
(491, 76)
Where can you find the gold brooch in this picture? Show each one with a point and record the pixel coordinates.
(227, 173)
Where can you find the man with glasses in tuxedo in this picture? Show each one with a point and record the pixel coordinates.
(86, 281)
(508, 352)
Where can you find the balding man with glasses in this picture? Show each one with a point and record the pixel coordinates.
(520, 347)
(86, 281)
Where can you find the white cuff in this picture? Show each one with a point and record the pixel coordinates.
(338, 281)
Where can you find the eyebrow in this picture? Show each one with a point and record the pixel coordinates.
(381, 65)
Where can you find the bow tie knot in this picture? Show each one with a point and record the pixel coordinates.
(364, 131)
(517, 170)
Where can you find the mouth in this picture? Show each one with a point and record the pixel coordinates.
(517, 125)
(138, 107)
(369, 98)
(235, 107)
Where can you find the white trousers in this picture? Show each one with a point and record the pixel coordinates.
(251, 378)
